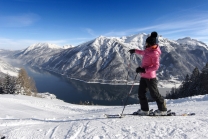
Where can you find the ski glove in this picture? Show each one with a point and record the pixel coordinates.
(140, 70)
(131, 51)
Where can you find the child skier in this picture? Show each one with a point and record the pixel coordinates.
(149, 66)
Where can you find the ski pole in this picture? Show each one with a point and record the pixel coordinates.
(129, 94)
(129, 65)
(128, 68)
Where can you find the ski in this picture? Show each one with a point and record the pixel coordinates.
(114, 116)
(169, 113)
(186, 114)
(151, 114)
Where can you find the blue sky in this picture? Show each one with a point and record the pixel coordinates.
(62, 22)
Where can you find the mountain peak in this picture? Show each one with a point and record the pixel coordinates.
(101, 36)
(44, 45)
(192, 42)
(41, 48)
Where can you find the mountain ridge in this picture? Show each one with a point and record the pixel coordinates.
(104, 59)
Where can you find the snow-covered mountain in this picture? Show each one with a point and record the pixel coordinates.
(40, 49)
(68, 46)
(8, 53)
(26, 117)
(39, 53)
(107, 58)
(179, 59)
(102, 58)
(6, 68)
(189, 43)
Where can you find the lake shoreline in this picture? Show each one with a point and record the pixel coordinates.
(78, 91)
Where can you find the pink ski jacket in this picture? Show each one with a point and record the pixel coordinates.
(150, 61)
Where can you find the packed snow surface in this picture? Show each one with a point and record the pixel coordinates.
(24, 117)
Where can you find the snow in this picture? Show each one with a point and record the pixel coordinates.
(11, 73)
(192, 43)
(25, 117)
(6, 68)
(68, 46)
(41, 46)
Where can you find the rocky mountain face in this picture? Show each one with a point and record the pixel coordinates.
(106, 59)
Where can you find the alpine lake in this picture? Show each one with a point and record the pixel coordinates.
(79, 92)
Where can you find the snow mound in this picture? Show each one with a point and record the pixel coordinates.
(189, 99)
(46, 95)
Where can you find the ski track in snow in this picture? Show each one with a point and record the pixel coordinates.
(24, 117)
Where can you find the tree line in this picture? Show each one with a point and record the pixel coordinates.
(195, 84)
(22, 84)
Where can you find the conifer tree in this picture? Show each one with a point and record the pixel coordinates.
(195, 81)
(204, 80)
(1, 90)
(184, 87)
(1, 86)
(8, 85)
(173, 94)
(195, 75)
(196, 84)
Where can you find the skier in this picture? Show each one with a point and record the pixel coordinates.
(149, 66)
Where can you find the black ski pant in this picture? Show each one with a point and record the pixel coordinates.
(150, 84)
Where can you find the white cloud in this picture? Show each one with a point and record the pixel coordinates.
(195, 26)
(13, 44)
(20, 20)
(89, 31)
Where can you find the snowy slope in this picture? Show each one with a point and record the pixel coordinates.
(6, 68)
(24, 117)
